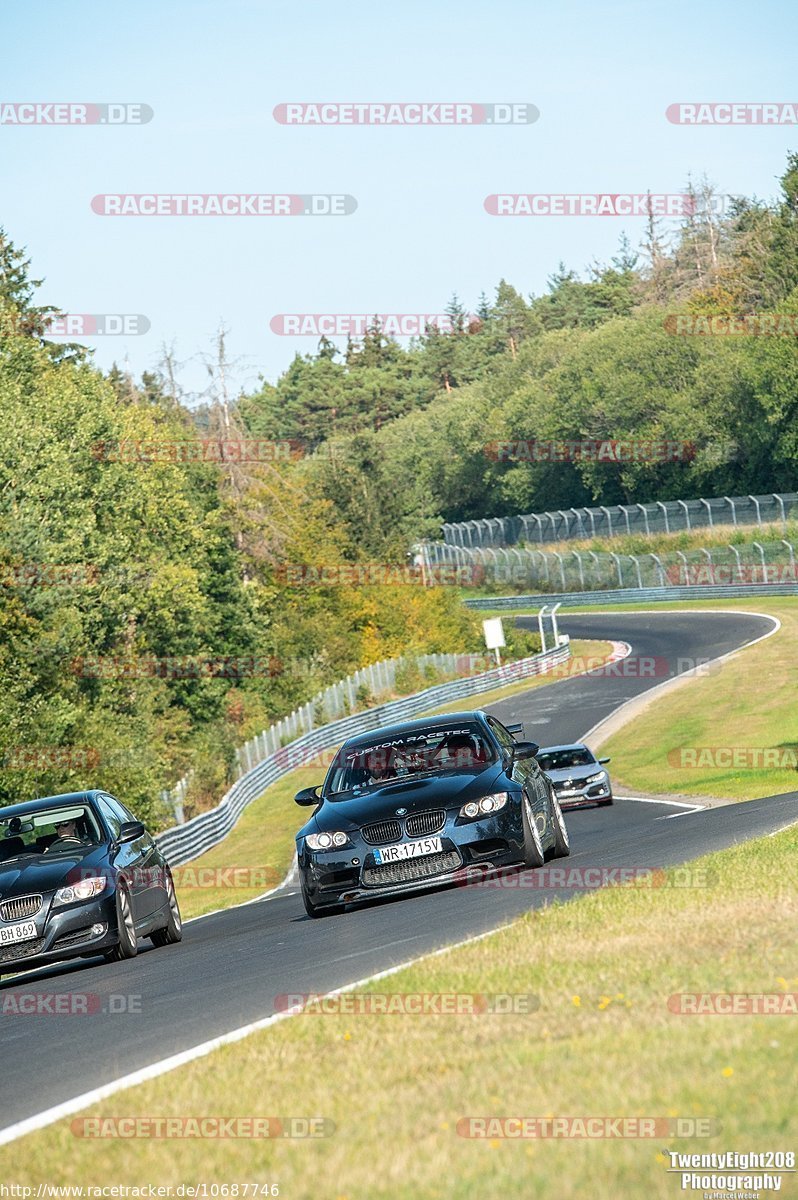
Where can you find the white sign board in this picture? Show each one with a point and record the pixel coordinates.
(494, 633)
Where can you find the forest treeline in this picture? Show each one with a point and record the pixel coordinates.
(122, 577)
(404, 433)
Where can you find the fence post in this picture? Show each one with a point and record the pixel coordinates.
(606, 512)
(578, 514)
(644, 511)
(618, 565)
(758, 513)
(660, 568)
(625, 512)
(541, 627)
(661, 505)
(637, 564)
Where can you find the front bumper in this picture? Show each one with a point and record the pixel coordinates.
(63, 933)
(587, 793)
(350, 874)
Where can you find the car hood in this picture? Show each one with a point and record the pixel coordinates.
(416, 795)
(19, 876)
(577, 774)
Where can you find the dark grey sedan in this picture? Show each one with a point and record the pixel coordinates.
(80, 876)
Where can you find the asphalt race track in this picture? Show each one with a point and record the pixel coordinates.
(231, 966)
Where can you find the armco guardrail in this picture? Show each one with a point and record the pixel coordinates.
(635, 596)
(184, 842)
(337, 700)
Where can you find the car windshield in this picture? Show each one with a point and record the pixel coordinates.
(437, 750)
(58, 830)
(563, 760)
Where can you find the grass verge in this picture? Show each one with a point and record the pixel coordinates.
(732, 732)
(604, 1042)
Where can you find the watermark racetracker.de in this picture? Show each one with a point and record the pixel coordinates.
(585, 1127)
(73, 325)
(593, 450)
(604, 204)
(193, 1127)
(40, 1003)
(732, 325)
(412, 112)
(734, 758)
(415, 1004)
(200, 450)
(732, 112)
(67, 112)
(223, 204)
(393, 325)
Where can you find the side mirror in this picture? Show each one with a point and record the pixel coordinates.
(605, 760)
(525, 750)
(307, 797)
(130, 831)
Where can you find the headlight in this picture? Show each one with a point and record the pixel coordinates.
(84, 890)
(599, 778)
(488, 804)
(327, 841)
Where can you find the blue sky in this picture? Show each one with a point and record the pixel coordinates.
(602, 76)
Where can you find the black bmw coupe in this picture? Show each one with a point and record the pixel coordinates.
(423, 803)
(80, 876)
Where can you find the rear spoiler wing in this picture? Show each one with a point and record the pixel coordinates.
(514, 729)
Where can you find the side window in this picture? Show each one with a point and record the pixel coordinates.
(111, 819)
(503, 737)
(122, 814)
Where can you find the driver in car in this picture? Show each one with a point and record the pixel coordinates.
(66, 835)
(380, 766)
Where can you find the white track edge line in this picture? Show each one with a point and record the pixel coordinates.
(685, 675)
(66, 1108)
(202, 1049)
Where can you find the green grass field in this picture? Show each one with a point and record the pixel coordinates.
(603, 1042)
(730, 733)
(745, 708)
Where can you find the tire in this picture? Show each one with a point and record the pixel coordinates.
(316, 911)
(562, 842)
(127, 946)
(172, 931)
(533, 846)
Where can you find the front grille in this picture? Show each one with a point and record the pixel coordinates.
(19, 908)
(382, 832)
(421, 824)
(23, 950)
(410, 869)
